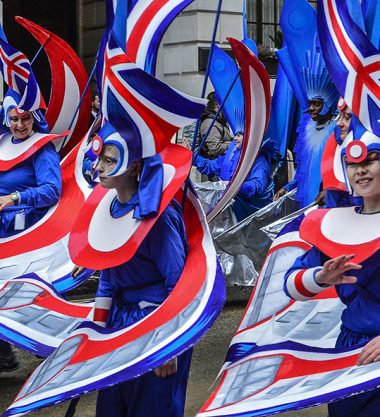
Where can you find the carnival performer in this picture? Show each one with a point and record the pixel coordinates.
(136, 288)
(355, 275)
(314, 129)
(256, 191)
(29, 188)
(345, 123)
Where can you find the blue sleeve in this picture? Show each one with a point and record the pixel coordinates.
(257, 180)
(48, 177)
(105, 287)
(291, 185)
(208, 166)
(169, 249)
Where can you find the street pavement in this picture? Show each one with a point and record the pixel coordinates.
(208, 357)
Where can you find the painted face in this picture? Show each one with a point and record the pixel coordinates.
(21, 123)
(315, 107)
(107, 162)
(343, 122)
(364, 177)
(239, 140)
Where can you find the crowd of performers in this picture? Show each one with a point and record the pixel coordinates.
(131, 290)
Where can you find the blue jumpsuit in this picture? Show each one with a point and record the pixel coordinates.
(360, 323)
(148, 277)
(38, 180)
(256, 191)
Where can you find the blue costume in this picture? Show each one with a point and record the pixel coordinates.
(38, 181)
(137, 287)
(360, 321)
(311, 141)
(256, 191)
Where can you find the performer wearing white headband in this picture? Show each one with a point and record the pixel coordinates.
(354, 273)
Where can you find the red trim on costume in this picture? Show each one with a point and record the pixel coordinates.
(310, 230)
(81, 251)
(330, 182)
(6, 165)
(101, 315)
(299, 285)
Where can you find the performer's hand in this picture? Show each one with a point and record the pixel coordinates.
(320, 199)
(6, 201)
(167, 369)
(333, 270)
(77, 270)
(370, 352)
(279, 194)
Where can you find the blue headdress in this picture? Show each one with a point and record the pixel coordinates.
(11, 101)
(317, 79)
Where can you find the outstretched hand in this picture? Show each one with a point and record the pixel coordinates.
(333, 270)
(370, 352)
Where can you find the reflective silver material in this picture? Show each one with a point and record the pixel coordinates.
(242, 247)
(253, 236)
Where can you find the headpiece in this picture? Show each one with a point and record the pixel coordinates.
(317, 79)
(11, 101)
(357, 150)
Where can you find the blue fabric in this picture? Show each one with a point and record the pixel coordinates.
(147, 395)
(149, 276)
(38, 180)
(341, 199)
(291, 185)
(257, 189)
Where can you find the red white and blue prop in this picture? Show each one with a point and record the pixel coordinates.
(35, 318)
(256, 88)
(352, 60)
(43, 248)
(69, 79)
(95, 240)
(282, 357)
(92, 357)
(144, 111)
(145, 26)
(12, 154)
(18, 75)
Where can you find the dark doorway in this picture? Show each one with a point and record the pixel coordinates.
(58, 16)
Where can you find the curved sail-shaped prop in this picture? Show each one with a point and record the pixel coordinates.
(147, 23)
(69, 79)
(43, 248)
(352, 61)
(299, 25)
(18, 75)
(256, 88)
(281, 357)
(145, 111)
(223, 72)
(35, 318)
(93, 357)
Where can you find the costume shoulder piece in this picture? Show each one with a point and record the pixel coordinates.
(342, 231)
(12, 153)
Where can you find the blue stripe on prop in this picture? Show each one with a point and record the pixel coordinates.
(161, 94)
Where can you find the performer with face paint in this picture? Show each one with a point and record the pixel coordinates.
(355, 275)
(314, 129)
(30, 180)
(129, 292)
